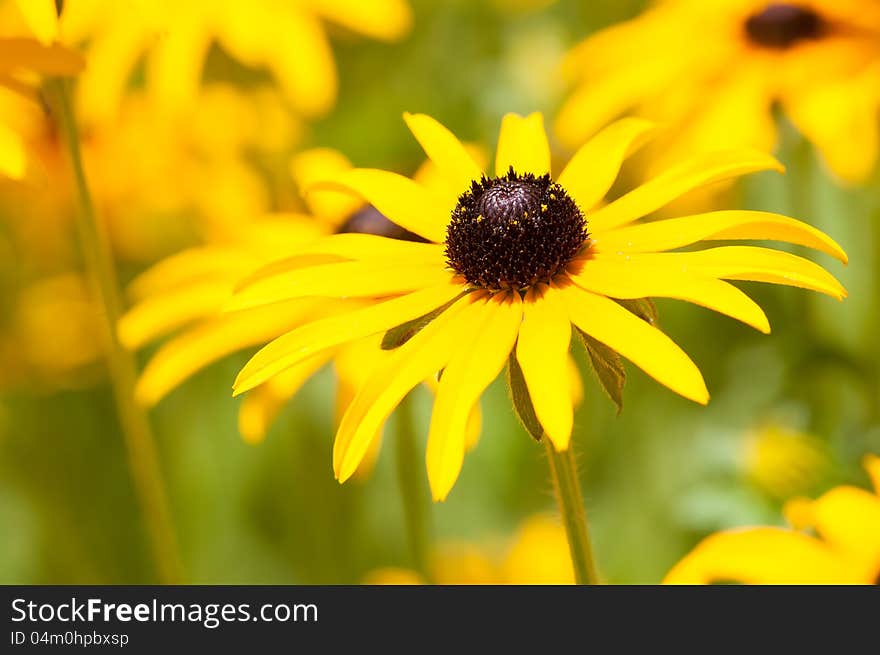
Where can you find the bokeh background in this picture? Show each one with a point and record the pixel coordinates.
(791, 413)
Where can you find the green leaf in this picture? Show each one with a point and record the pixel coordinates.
(644, 308)
(522, 401)
(609, 369)
(397, 336)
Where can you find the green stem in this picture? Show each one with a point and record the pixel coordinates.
(139, 441)
(413, 492)
(571, 506)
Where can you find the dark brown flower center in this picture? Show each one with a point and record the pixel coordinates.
(370, 220)
(782, 25)
(513, 231)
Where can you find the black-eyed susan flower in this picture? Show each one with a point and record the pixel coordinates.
(844, 547)
(716, 70)
(536, 554)
(512, 261)
(173, 39)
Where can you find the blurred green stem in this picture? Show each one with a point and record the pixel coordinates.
(571, 506)
(413, 492)
(139, 441)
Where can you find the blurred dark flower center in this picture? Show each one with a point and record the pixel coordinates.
(370, 220)
(513, 231)
(781, 25)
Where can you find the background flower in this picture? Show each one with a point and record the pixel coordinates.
(715, 71)
(846, 549)
(537, 553)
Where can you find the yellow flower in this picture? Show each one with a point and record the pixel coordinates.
(185, 179)
(22, 61)
(715, 70)
(286, 37)
(509, 267)
(845, 550)
(537, 554)
(54, 339)
(784, 462)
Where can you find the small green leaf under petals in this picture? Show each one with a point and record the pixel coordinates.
(397, 336)
(644, 308)
(522, 402)
(608, 367)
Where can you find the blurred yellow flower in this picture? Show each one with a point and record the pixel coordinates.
(53, 340)
(186, 294)
(784, 462)
(159, 182)
(22, 61)
(845, 550)
(537, 554)
(714, 70)
(285, 37)
(508, 267)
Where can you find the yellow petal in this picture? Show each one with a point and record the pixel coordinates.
(539, 553)
(41, 18)
(260, 407)
(604, 97)
(369, 246)
(194, 265)
(113, 55)
(13, 162)
(627, 278)
(289, 42)
(387, 20)
(737, 113)
(475, 421)
(317, 164)
(296, 346)
(542, 353)
(749, 263)
(212, 340)
(488, 336)
(420, 357)
(689, 175)
(23, 54)
(354, 363)
(445, 150)
(522, 144)
(848, 519)
(371, 279)
(593, 169)
(719, 225)
(161, 314)
(762, 556)
(174, 66)
(642, 344)
(399, 198)
(840, 118)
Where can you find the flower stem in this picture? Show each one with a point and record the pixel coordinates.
(139, 440)
(413, 493)
(571, 506)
